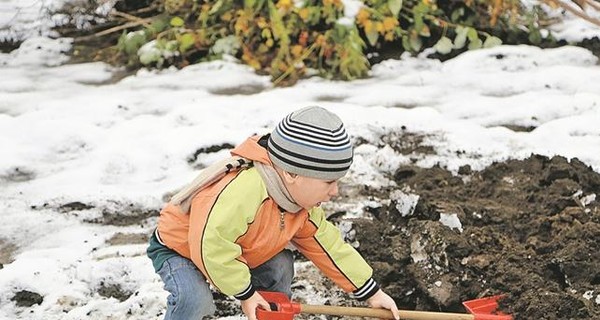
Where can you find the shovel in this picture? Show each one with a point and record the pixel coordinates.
(284, 309)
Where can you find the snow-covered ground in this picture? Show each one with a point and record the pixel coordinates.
(68, 134)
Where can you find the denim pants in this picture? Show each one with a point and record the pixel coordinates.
(189, 293)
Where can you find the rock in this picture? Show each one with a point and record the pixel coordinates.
(25, 298)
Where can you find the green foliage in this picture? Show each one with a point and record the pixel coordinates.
(285, 38)
(130, 43)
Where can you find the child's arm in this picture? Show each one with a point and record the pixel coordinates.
(321, 242)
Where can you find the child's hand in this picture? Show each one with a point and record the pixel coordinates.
(381, 300)
(249, 305)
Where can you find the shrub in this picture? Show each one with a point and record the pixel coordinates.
(289, 39)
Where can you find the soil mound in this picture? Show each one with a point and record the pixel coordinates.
(529, 229)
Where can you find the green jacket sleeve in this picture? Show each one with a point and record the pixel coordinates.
(321, 242)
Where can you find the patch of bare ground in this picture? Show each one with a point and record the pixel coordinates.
(7, 250)
(530, 230)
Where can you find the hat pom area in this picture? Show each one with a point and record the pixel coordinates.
(311, 142)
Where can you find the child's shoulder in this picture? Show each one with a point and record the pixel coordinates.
(249, 183)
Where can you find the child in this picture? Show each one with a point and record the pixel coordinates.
(231, 225)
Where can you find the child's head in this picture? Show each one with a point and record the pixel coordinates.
(313, 148)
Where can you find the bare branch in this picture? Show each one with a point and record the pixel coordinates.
(574, 11)
(114, 29)
(593, 4)
(130, 17)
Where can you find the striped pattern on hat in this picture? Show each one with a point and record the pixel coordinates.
(311, 142)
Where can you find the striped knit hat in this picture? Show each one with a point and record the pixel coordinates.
(311, 142)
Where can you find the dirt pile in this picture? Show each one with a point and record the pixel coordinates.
(530, 229)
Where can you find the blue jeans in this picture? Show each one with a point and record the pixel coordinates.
(189, 293)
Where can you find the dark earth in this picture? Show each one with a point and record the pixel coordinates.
(25, 298)
(531, 231)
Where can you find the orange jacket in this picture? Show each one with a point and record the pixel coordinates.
(234, 226)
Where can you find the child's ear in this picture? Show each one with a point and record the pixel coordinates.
(289, 177)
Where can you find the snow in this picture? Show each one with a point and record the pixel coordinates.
(71, 134)
(451, 221)
(351, 8)
(571, 28)
(588, 294)
(405, 202)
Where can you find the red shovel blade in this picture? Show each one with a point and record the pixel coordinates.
(486, 308)
(281, 307)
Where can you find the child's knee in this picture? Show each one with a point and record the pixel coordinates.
(196, 305)
(287, 264)
(276, 274)
(190, 296)
(281, 266)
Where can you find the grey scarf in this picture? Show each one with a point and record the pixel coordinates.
(276, 189)
(275, 186)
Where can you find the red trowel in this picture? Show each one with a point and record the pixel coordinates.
(284, 309)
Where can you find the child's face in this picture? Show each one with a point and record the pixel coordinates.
(310, 192)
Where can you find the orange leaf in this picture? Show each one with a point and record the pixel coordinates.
(303, 13)
(362, 16)
(389, 23)
(296, 50)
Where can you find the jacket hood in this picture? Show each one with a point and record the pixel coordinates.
(251, 149)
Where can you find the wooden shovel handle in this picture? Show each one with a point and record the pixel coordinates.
(383, 313)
